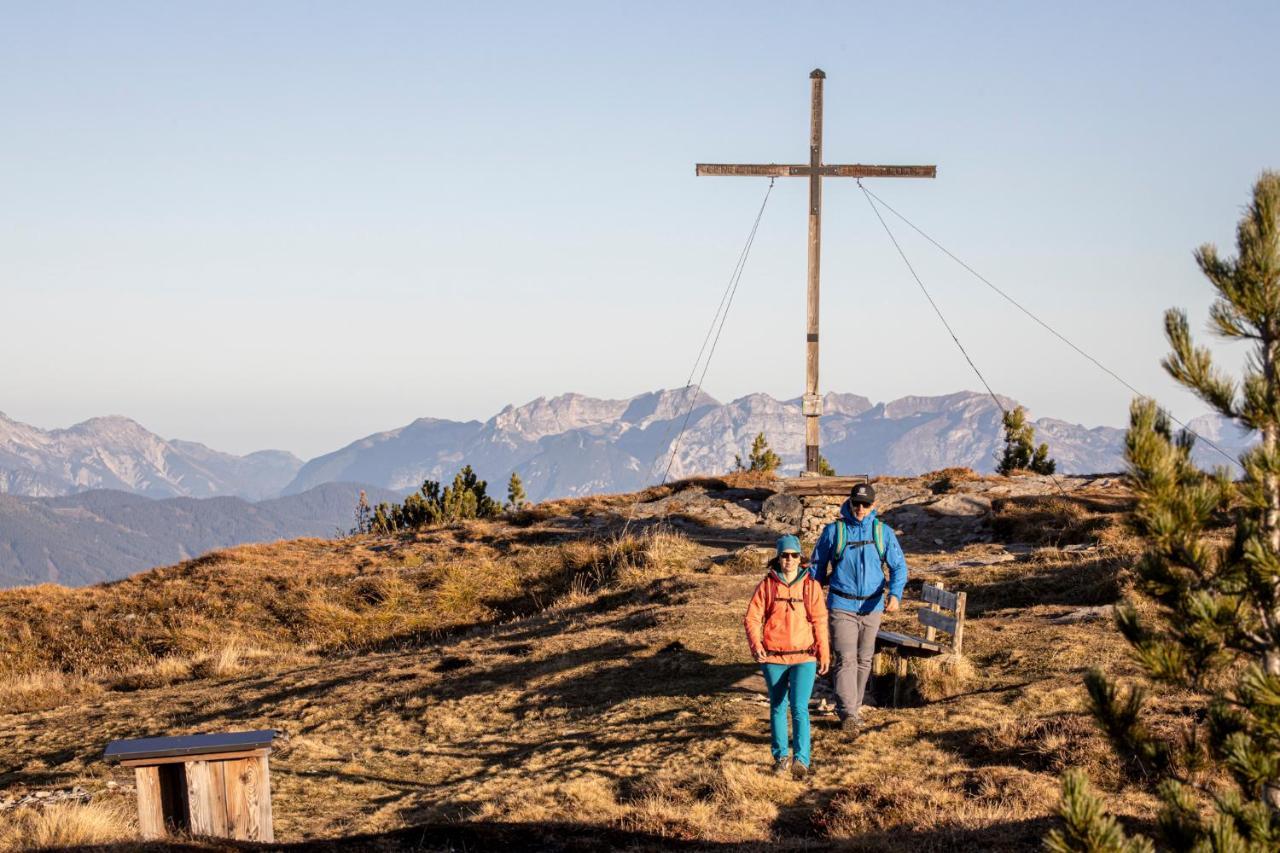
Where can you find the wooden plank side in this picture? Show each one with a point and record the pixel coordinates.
(934, 619)
(150, 807)
(237, 813)
(200, 797)
(807, 486)
(244, 786)
(183, 759)
(937, 595)
(267, 830)
(251, 784)
(218, 798)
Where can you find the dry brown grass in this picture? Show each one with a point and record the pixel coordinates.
(724, 801)
(222, 614)
(751, 560)
(945, 480)
(43, 689)
(65, 825)
(559, 673)
(941, 677)
(1058, 521)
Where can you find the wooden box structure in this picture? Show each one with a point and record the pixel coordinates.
(214, 784)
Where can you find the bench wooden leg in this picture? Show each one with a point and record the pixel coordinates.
(899, 673)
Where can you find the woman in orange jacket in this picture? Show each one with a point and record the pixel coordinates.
(786, 626)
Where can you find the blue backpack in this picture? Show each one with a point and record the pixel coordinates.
(842, 542)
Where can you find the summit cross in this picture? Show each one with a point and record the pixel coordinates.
(815, 171)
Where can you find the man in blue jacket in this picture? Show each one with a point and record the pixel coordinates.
(848, 560)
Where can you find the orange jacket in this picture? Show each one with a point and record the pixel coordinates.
(789, 623)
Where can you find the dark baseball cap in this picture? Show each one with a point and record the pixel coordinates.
(863, 493)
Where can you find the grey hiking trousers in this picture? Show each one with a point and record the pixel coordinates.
(853, 644)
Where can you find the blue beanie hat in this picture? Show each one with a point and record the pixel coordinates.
(788, 543)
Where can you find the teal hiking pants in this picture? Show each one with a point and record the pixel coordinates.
(790, 685)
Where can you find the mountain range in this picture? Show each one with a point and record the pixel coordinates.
(106, 497)
(118, 453)
(568, 445)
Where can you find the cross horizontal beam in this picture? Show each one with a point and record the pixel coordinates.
(855, 170)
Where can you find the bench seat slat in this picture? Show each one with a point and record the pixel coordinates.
(908, 645)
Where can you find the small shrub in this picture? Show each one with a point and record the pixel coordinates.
(824, 467)
(466, 498)
(1020, 452)
(761, 458)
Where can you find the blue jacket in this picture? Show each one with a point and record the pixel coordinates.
(859, 572)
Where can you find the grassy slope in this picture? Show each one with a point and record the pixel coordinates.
(626, 704)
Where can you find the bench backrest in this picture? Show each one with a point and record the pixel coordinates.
(942, 611)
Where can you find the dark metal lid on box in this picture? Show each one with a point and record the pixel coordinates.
(166, 747)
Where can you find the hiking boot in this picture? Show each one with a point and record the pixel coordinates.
(799, 770)
(781, 766)
(850, 725)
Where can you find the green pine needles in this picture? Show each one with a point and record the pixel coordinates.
(1216, 632)
(1020, 452)
(761, 458)
(824, 467)
(430, 505)
(516, 498)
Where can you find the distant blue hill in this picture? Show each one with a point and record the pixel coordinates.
(105, 534)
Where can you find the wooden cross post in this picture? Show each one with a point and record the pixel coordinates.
(815, 171)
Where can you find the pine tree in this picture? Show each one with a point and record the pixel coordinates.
(364, 515)
(1218, 628)
(515, 492)
(761, 458)
(463, 499)
(1020, 452)
(824, 467)
(382, 519)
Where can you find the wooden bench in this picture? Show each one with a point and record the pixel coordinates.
(941, 610)
(214, 784)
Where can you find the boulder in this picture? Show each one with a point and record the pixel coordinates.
(782, 512)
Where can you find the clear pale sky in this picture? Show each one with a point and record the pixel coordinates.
(291, 224)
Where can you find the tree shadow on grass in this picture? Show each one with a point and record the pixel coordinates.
(462, 836)
(547, 837)
(595, 678)
(1012, 835)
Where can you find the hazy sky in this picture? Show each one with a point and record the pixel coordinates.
(292, 224)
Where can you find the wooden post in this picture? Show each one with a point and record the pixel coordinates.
(958, 637)
(812, 401)
(900, 672)
(815, 171)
